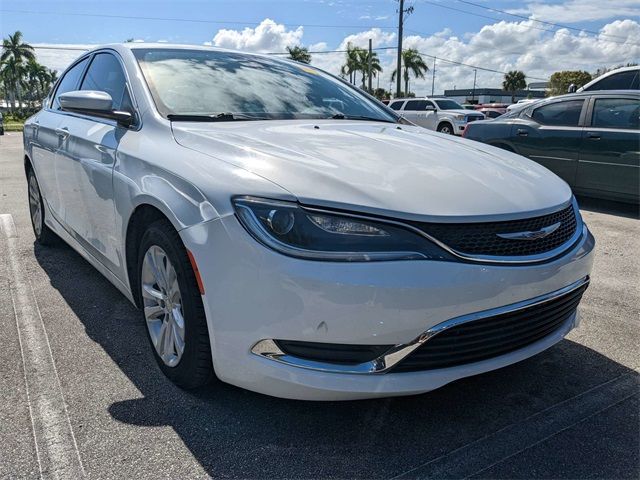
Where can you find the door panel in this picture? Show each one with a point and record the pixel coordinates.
(610, 154)
(553, 147)
(87, 161)
(552, 136)
(45, 144)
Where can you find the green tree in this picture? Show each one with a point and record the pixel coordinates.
(412, 63)
(352, 63)
(14, 54)
(560, 81)
(514, 80)
(299, 54)
(363, 64)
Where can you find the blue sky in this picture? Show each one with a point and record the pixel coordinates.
(451, 29)
(60, 28)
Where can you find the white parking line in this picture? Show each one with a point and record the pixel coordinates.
(56, 447)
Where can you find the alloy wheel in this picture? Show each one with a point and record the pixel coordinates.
(35, 206)
(162, 302)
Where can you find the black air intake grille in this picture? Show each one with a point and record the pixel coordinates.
(494, 336)
(482, 238)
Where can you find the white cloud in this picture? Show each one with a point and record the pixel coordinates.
(59, 56)
(501, 46)
(580, 10)
(266, 37)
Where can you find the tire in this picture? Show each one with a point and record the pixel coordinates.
(164, 270)
(44, 235)
(445, 128)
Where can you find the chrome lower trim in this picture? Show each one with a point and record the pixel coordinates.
(269, 349)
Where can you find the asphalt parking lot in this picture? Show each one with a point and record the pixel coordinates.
(570, 412)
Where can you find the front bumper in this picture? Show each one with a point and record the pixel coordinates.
(253, 293)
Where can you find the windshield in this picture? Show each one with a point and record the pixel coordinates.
(448, 105)
(200, 82)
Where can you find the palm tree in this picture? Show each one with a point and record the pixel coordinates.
(14, 47)
(363, 64)
(14, 52)
(412, 62)
(299, 54)
(514, 80)
(352, 63)
(11, 74)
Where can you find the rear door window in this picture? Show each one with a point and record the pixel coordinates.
(69, 82)
(416, 105)
(619, 81)
(396, 105)
(565, 114)
(621, 113)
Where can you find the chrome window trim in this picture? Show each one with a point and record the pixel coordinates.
(269, 349)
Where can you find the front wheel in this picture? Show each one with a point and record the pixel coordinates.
(172, 307)
(445, 128)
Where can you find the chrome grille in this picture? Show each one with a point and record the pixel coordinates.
(482, 238)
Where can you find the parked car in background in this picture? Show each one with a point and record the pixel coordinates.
(440, 114)
(500, 107)
(491, 112)
(284, 230)
(625, 78)
(590, 139)
(521, 103)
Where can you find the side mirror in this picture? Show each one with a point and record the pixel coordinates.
(430, 109)
(572, 88)
(98, 104)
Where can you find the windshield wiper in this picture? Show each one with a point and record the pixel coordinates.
(342, 116)
(214, 117)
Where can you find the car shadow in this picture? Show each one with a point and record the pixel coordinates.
(610, 207)
(236, 433)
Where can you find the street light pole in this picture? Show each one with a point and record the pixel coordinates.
(433, 76)
(399, 63)
(473, 95)
(369, 66)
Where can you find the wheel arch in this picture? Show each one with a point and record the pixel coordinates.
(442, 122)
(143, 215)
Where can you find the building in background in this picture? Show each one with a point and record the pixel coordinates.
(490, 95)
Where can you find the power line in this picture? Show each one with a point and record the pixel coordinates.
(486, 69)
(559, 25)
(528, 27)
(191, 20)
(492, 47)
(320, 52)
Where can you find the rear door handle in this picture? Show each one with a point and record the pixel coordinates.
(522, 132)
(593, 135)
(62, 132)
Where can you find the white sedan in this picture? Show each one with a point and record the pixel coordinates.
(285, 232)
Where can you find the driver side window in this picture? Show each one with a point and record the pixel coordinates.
(106, 75)
(69, 82)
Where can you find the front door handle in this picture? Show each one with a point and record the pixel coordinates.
(593, 135)
(62, 132)
(522, 132)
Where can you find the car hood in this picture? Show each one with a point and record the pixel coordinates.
(463, 112)
(382, 168)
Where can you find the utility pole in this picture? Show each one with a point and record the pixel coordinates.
(401, 12)
(433, 76)
(369, 66)
(473, 95)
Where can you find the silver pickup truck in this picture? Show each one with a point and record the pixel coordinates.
(440, 114)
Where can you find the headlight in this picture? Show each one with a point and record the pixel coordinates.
(318, 235)
(460, 117)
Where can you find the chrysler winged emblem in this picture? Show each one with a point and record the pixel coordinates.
(533, 235)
